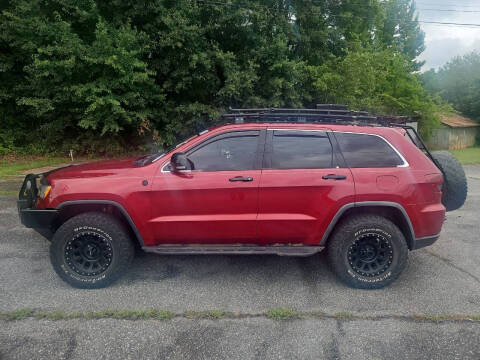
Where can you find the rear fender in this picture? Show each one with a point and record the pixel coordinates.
(403, 222)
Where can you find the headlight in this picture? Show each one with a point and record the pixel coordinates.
(43, 187)
(44, 190)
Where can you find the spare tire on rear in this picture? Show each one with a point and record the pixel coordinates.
(454, 192)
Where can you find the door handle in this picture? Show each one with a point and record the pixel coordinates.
(241, 178)
(334, 177)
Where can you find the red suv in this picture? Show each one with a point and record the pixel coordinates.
(367, 194)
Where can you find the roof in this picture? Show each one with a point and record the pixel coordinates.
(364, 129)
(457, 121)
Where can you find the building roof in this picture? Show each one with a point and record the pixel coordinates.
(456, 121)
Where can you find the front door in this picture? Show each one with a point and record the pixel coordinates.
(302, 187)
(217, 201)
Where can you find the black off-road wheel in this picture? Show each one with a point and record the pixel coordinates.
(454, 192)
(367, 251)
(91, 250)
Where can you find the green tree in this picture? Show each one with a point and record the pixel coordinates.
(208, 56)
(75, 71)
(379, 82)
(92, 75)
(401, 30)
(458, 82)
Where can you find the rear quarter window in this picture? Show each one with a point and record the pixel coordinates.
(367, 151)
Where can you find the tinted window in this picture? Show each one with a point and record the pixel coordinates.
(236, 152)
(367, 151)
(301, 150)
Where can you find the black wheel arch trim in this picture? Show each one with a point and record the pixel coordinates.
(107, 202)
(416, 242)
(425, 241)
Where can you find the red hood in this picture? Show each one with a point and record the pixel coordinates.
(93, 169)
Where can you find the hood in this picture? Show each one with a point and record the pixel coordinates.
(93, 169)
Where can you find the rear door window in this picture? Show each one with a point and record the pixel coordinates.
(301, 150)
(367, 151)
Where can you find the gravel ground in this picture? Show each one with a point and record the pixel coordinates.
(238, 339)
(443, 279)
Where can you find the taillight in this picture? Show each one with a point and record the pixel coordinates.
(436, 180)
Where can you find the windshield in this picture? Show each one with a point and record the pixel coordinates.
(148, 159)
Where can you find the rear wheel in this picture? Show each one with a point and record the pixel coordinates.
(91, 250)
(367, 251)
(454, 192)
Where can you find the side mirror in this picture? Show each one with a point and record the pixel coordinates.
(179, 162)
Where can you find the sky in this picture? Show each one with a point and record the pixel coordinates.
(443, 42)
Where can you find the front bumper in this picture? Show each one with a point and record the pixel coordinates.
(33, 218)
(42, 220)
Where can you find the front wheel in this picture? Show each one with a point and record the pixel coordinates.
(367, 251)
(91, 250)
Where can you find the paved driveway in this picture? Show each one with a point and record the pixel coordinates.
(401, 321)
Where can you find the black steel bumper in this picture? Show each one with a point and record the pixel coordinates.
(42, 221)
(33, 218)
(29, 216)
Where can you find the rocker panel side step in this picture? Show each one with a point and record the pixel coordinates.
(281, 250)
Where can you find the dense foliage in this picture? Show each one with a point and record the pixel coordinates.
(105, 76)
(458, 82)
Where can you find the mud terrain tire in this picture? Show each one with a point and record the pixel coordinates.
(367, 251)
(91, 250)
(454, 192)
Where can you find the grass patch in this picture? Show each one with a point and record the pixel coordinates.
(445, 317)
(208, 314)
(274, 314)
(55, 315)
(9, 167)
(17, 314)
(343, 315)
(152, 314)
(131, 314)
(8, 192)
(430, 318)
(318, 314)
(467, 156)
(283, 314)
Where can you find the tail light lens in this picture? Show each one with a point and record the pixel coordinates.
(436, 180)
(435, 184)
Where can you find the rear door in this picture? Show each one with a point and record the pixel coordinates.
(217, 201)
(304, 183)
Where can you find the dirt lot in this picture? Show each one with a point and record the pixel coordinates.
(405, 320)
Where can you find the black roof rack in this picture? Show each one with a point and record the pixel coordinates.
(327, 114)
(323, 113)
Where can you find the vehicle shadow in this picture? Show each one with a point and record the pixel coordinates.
(152, 267)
